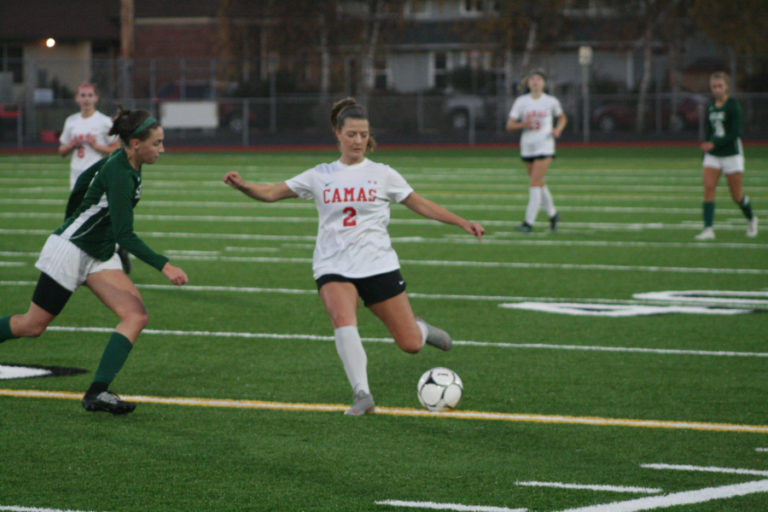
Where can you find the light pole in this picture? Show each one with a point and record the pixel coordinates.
(585, 60)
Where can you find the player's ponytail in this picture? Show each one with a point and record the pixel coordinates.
(348, 108)
(132, 124)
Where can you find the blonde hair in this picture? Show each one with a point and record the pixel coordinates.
(725, 77)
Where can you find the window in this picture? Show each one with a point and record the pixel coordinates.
(440, 70)
(11, 60)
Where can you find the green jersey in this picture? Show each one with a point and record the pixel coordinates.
(101, 215)
(724, 128)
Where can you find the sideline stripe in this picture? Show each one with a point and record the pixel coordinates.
(678, 498)
(489, 344)
(406, 411)
(431, 505)
(609, 488)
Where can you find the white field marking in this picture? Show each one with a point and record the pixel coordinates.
(313, 291)
(493, 239)
(487, 344)
(11, 264)
(14, 508)
(761, 450)
(679, 498)
(431, 505)
(312, 219)
(706, 469)
(406, 411)
(589, 487)
(310, 206)
(619, 311)
(498, 264)
(741, 298)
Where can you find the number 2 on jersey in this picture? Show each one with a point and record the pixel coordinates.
(350, 213)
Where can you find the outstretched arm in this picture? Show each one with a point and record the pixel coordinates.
(432, 210)
(266, 193)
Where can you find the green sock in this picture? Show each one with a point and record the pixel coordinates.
(708, 208)
(115, 354)
(746, 207)
(5, 329)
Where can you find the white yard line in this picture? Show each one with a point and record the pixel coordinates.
(592, 487)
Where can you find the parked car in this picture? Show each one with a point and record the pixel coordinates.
(621, 115)
(461, 109)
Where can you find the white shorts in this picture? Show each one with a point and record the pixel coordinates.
(728, 164)
(68, 265)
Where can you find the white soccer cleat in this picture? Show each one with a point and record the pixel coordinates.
(363, 404)
(752, 227)
(707, 234)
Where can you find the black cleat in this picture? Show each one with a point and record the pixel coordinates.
(524, 228)
(553, 220)
(124, 260)
(108, 402)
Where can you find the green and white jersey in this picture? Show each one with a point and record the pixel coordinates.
(724, 128)
(104, 216)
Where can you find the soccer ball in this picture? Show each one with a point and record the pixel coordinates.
(439, 389)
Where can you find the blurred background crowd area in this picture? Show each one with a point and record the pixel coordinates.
(244, 73)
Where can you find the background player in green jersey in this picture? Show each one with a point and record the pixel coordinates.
(82, 251)
(723, 154)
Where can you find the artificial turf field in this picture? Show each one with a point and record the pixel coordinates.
(582, 392)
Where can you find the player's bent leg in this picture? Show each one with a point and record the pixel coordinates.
(31, 324)
(398, 317)
(119, 294)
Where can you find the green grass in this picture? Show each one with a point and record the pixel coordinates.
(628, 220)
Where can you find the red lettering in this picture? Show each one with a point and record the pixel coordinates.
(336, 196)
(325, 196)
(371, 194)
(349, 195)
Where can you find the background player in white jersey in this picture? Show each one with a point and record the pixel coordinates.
(86, 134)
(82, 251)
(86, 138)
(533, 113)
(353, 256)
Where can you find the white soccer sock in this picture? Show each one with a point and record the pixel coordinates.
(423, 327)
(534, 203)
(349, 346)
(547, 203)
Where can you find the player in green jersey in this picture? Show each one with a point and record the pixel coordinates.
(723, 154)
(82, 251)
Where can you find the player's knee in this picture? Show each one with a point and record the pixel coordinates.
(138, 319)
(410, 344)
(29, 328)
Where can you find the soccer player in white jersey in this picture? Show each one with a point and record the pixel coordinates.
(533, 114)
(86, 134)
(353, 255)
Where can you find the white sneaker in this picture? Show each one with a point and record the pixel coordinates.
(707, 234)
(752, 227)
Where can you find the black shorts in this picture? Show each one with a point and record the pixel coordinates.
(535, 157)
(50, 295)
(373, 289)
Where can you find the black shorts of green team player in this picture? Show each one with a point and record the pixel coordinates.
(372, 289)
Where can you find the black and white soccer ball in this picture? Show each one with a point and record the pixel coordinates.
(440, 389)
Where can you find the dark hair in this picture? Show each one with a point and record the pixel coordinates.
(537, 71)
(126, 122)
(348, 108)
